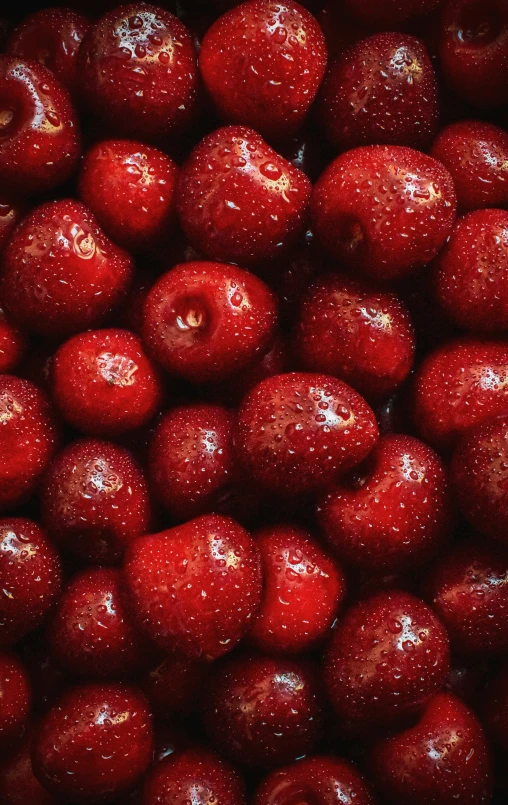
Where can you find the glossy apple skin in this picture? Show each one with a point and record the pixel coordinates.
(13, 343)
(202, 321)
(443, 759)
(387, 15)
(138, 72)
(40, 144)
(472, 270)
(91, 632)
(12, 210)
(262, 64)
(262, 712)
(387, 657)
(30, 577)
(195, 775)
(297, 432)
(28, 439)
(380, 91)
(167, 573)
(61, 274)
(322, 779)
(467, 590)
(395, 513)
(458, 385)
(94, 500)
(473, 50)
(51, 36)
(104, 384)
(356, 332)
(383, 210)
(174, 687)
(240, 201)
(95, 743)
(275, 361)
(192, 461)
(131, 188)
(495, 710)
(18, 783)
(303, 590)
(479, 473)
(476, 154)
(15, 699)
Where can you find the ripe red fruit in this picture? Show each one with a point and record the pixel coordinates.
(262, 64)
(472, 273)
(91, 632)
(384, 210)
(321, 778)
(476, 154)
(12, 343)
(480, 477)
(51, 36)
(40, 142)
(382, 90)
(174, 687)
(394, 513)
(202, 321)
(11, 211)
(264, 712)
(467, 589)
(94, 500)
(388, 655)
(96, 742)
(18, 783)
(460, 384)
(193, 775)
(192, 462)
(15, 699)
(104, 384)
(473, 49)
(297, 432)
(30, 577)
(61, 274)
(495, 710)
(130, 187)
(196, 587)
(138, 72)
(443, 759)
(303, 590)
(389, 14)
(356, 332)
(28, 439)
(238, 200)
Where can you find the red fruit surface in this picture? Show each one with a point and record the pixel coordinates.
(262, 64)
(61, 274)
(51, 36)
(394, 514)
(175, 686)
(443, 759)
(388, 656)
(131, 188)
(192, 462)
(94, 500)
(273, 362)
(13, 343)
(138, 72)
(389, 14)
(195, 588)
(11, 211)
(495, 710)
(479, 473)
(95, 743)
(460, 384)
(18, 783)
(202, 321)
(238, 200)
(15, 699)
(472, 273)
(91, 633)
(476, 154)
(473, 49)
(303, 589)
(193, 775)
(104, 384)
(322, 779)
(468, 590)
(356, 332)
(264, 712)
(383, 210)
(380, 91)
(30, 577)
(297, 432)
(40, 142)
(28, 439)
